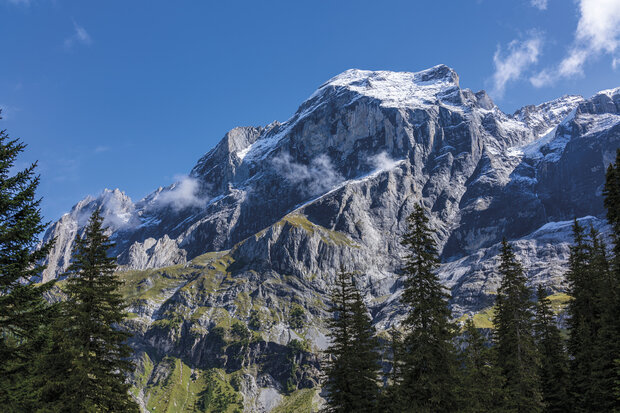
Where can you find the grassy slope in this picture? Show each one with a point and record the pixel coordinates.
(484, 318)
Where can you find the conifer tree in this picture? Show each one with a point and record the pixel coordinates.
(23, 310)
(430, 365)
(516, 350)
(391, 400)
(583, 319)
(366, 358)
(480, 388)
(353, 364)
(553, 359)
(93, 341)
(611, 193)
(607, 352)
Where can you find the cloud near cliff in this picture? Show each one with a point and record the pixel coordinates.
(185, 193)
(315, 178)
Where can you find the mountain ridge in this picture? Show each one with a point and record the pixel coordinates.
(496, 149)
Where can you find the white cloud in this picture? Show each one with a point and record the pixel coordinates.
(539, 4)
(79, 36)
(183, 194)
(541, 78)
(511, 65)
(315, 178)
(383, 162)
(598, 33)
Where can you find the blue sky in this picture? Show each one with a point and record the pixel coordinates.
(130, 94)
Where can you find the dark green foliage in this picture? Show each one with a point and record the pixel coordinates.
(217, 336)
(588, 278)
(216, 397)
(594, 325)
(429, 371)
(296, 318)
(391, 400)
(606, 346)
(295, 352)
(516, 350)
(582, 318)
(297, 347)
(481, 386)
(365, 360)
(92, 341)
(607, 352)
(553, 358)
(23, 311)
(611, 192)
(240, 333)
(254, 322)
(353, 363)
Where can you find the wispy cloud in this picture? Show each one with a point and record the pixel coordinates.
(539, 4)
(185, 193)
(79, 36)
(102, 148)
(597, 34)
(383, 162)
(518, 57)
(315, 178)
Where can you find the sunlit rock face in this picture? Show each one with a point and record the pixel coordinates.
(332, 186)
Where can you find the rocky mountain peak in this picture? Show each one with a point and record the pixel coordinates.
(545, 116)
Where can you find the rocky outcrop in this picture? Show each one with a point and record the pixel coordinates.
(152, 253)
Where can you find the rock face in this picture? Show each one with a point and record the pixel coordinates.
(288, 203)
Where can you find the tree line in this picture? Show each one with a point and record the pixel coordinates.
(527, 365)
(67, 356)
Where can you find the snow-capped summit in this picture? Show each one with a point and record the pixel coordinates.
(396, 89)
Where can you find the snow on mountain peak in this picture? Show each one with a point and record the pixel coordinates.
(396, 89)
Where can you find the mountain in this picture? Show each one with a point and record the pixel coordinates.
(265, 218)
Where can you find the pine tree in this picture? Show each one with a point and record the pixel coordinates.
(607, 351)
(611, 192)
(391, 400)
(23, 310)
(553, 359)
(353, 364)
(480, 388)
(93, 341)
(430, 365)
(583, 319)
(606, 346)
(366, 358)
(513, 336)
